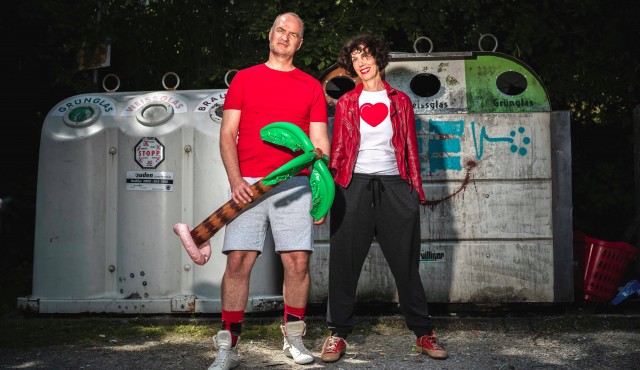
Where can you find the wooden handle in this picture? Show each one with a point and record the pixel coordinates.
(225, 214)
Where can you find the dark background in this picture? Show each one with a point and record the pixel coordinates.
(585, 51)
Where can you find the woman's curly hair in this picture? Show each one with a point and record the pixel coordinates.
(368, 44)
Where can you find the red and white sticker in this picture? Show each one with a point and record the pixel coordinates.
(149, 152)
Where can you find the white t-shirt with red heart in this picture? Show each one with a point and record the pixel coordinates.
(376, 155)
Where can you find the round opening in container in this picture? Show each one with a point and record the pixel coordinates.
(425, 85)
(511, 83)
(154, 114)
(82, 115)
(336, 82)
(338, 86)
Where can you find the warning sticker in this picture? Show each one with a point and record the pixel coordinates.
(149, 152)
(152, 181)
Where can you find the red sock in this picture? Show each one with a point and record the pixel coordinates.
(232, 321)
(293, 313)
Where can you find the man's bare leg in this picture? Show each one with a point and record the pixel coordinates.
(297, 281)
(235, 281)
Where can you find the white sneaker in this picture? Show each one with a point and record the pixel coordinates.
(227, 357)
(293, 346)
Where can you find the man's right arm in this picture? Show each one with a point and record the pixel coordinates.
(240, 189)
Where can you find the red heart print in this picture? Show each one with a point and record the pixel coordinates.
(374, 114)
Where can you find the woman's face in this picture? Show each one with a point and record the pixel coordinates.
(364, 64)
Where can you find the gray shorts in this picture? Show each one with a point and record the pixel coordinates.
(284, 209)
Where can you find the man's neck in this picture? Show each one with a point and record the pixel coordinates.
(280, 64)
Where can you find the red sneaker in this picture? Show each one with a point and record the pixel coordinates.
(333, 348)
(429, 344)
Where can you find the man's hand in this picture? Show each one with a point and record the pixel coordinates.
(320, 221)
(241, 191)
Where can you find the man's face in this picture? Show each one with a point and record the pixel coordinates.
(285, 38)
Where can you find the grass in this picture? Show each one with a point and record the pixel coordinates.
(46, 331)
(20, 331)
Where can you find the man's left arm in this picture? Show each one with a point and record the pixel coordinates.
(318, 133)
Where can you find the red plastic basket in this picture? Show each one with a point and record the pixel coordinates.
(605, 264)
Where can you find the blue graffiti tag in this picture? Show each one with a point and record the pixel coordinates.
(525, 140)
(483, 136)
(444, 143)
(442, 146)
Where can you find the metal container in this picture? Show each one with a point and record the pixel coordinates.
(116, 172)
(496, 170)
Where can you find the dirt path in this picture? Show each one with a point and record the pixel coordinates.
(547, 342)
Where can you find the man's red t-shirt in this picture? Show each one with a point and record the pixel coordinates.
(264, 96)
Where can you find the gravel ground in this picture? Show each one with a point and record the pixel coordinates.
(531, 342)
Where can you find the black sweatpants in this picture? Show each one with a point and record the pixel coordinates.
(382, 207)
